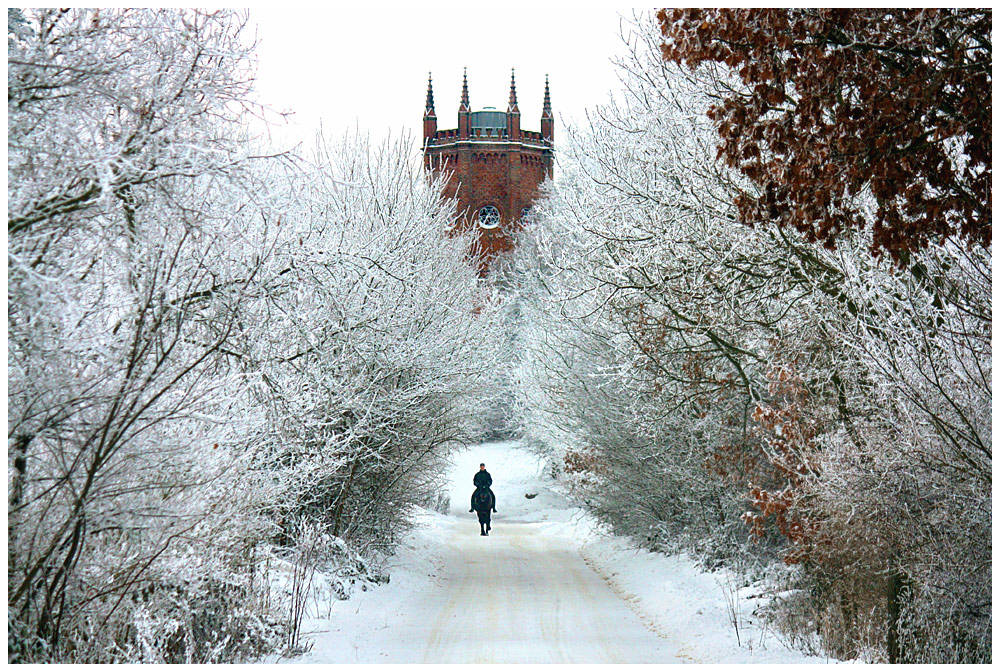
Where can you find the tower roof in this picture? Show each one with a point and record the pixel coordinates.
(547, 103)
(512, 103)
(464, 104)
(429, 107)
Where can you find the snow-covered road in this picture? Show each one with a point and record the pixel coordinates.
(545, 586)
(518, 596)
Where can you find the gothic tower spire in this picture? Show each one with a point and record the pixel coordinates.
(548, 123)
(430, 118)
(513, 114)
(429, 107)
(464, 109)
(464, 105)
(492, 167)
(512, 103)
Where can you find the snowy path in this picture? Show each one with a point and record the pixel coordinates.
(521, 595)
(544, 587)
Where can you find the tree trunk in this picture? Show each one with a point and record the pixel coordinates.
(16, 495)
(897, 586)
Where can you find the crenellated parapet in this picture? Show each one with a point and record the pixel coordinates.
(451, 135)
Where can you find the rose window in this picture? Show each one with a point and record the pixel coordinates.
(489, 217)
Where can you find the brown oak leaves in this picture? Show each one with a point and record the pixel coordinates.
(849, 116)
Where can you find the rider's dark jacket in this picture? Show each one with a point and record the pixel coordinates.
(482, 479)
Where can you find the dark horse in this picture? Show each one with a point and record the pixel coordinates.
(482, 502)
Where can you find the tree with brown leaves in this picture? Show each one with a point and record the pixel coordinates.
(840, 108)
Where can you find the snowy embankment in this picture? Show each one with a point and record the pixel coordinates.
(548, 585)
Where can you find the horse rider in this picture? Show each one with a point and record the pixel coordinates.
(482, 479)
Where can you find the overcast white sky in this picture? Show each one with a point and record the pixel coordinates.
(367, 66)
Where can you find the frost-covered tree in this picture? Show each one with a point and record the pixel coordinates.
(125, 187)
(640, 247)
(705, 375)
(371, 342)
(905, 486)
(224, 372)
(865, 127)
(843, 102)
(217, 365)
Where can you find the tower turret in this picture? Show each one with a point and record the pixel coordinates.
(430, 118)
(463, 108)
(513, 114)
(548, 123)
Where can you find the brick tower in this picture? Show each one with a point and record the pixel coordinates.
(494, 167)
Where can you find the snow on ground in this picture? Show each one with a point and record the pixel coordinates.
(548, 585)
